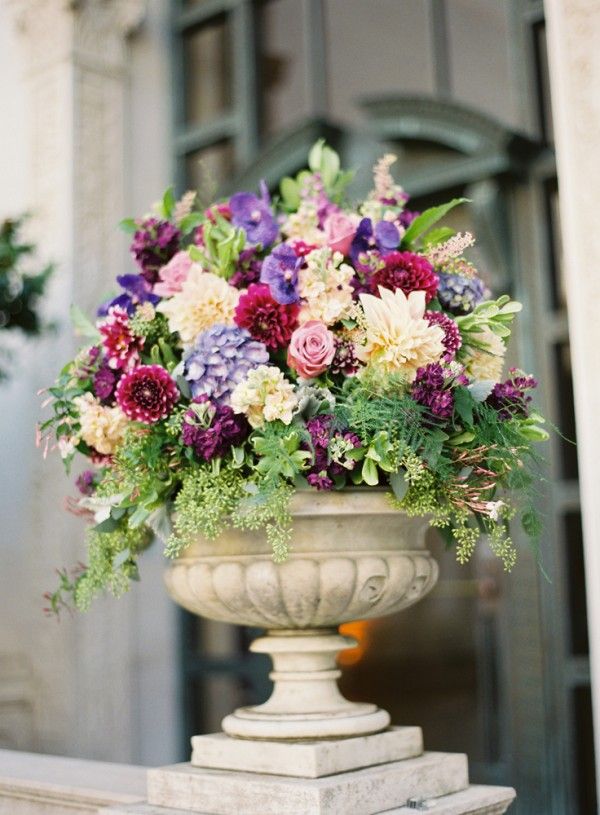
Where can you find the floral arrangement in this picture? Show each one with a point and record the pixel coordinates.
(268, 345)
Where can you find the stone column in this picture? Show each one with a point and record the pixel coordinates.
(574, 54)
(74, 59)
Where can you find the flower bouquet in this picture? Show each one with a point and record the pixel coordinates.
(267, 345)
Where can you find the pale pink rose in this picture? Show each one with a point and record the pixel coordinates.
(339, 230)
(311, 350)
(173, 275)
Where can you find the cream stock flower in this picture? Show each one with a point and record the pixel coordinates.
(325, 287)
(204, 300)
(486, 364)
(398, 339)
(264, 396)
(101, 427)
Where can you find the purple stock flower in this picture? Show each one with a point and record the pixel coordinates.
(86, 482)
(212, 429)
(429, 390)
(105, 383)
(154, 244)
(280, 272)
(137, 290)
(510, 398)
(407, 216)
(219, 359)
(254, 215)
(384, 238)
(330, 449)
(247, 270)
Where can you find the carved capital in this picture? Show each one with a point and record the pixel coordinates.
(89, 32)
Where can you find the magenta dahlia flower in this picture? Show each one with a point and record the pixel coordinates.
(121, 346)
(406, 271)
(147, 394)
(265, 319)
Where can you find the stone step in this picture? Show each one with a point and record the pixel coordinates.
(368, 791)
(313, 759)
(475, 800)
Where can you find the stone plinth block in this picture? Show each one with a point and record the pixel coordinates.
(360, 792)
(313, 759)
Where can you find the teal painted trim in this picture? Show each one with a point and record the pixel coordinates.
(245, 87)
(203, 12)
(440, 48)
(200, 136)
(315, 48)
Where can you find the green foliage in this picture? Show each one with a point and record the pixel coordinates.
(426, 220)
(20, 288)
(223, 243)
(496, 315)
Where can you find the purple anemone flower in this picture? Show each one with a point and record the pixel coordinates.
(254, 215)
(137, 290)
(384, 237)
(280, 273)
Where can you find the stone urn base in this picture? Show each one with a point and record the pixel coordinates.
(307, 750)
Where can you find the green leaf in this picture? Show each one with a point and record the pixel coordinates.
(463, 405)
(438, 235)
(128, 225)
(109, 525)
(168, 202)
(531, 523)
(290, 193)
(82, 325)
(138, 518)
(196, 254)
(190, 222)
(369, 472)
(427, 219)
(315, 155)
(399, 484)
(120, 558)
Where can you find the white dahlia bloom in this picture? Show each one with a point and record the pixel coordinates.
(204, 300)
(398, 338)
(102, 427)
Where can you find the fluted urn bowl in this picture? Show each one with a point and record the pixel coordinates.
(352, 556)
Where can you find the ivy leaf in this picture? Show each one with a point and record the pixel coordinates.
(399, 484)
(427, 219)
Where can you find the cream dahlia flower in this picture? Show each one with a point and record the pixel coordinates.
(102, 427)
(325, 287)
(204, 300)
(486, 364)
(398, 339)
(264, 396)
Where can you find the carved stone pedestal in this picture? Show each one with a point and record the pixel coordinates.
(371, 775)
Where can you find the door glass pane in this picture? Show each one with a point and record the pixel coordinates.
(577, 612)
(584, 750)
(206, 170)
(282, 64)
(543, 80)
(565, 411)
(207, 53)
(555, 249)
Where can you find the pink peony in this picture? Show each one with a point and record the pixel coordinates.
(173, 275)
(340, 228)
(312, 348)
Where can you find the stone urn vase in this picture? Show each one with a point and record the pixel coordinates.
(353, 557)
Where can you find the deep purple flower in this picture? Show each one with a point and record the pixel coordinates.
(407, 216)
(154, 244)
(86, 482)
(344, 361)
(137, 291)
(459, 294)
(406, 271)
(330, 449)
(247, 270)
(429, 390)
(105, 383)
(511, 398)
(280, 273)
(320, 480)
(254, 216)
(211, 429)
(383, 238)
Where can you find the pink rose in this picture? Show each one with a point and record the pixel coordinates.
(339, 231)
(173, 275)
(311, 350)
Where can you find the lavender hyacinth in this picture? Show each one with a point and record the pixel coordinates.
(219, 359)
(460, 294)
